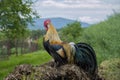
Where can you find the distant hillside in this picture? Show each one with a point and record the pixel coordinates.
(57, 22)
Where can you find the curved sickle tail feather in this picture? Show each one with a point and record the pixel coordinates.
(85, 57)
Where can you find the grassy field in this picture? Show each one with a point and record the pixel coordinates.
(35, 58)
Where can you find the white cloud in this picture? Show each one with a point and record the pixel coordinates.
(89, 19)
(49, 3)
(69, 4)
(74, 4)
(82, 1)
(90, 11)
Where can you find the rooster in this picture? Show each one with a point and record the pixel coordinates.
(62, 52)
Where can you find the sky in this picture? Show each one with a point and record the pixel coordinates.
(90, 11)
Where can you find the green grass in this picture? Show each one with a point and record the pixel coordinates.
(110, 69)
(35, 58)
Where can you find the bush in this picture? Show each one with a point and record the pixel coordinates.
(104, 37)
(40, 43)
(71, 32)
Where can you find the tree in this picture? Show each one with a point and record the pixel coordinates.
(71, 32)
(14, 18)
(35, 34)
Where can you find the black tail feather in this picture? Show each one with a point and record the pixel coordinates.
(85, 57)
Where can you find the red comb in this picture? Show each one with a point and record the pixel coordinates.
(46, 22)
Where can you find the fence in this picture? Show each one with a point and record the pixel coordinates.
(8, 47)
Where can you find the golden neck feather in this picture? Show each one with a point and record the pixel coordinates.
(52, 34)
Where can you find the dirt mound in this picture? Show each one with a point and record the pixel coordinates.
(47, 72)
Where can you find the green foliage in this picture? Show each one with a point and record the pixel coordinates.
(35, 34)
(40, 43)
(35, 58)
(2, 36)
(104, 37)
(38, 36)
(14, 17)
(71, 31)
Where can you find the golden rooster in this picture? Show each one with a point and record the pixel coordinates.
(80, 54)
